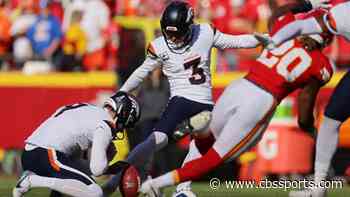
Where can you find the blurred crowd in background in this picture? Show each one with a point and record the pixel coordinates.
(82, 35)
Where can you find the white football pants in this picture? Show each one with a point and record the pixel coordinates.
(240, 117)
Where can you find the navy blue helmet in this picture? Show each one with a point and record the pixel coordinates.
(176, 22)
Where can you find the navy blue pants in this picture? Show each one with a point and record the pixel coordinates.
(178, 110)
(39, 161)
(338, 107)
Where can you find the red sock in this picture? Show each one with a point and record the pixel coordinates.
(203, 144)
(196, 168)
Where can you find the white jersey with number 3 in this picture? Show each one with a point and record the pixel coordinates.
(188, 69)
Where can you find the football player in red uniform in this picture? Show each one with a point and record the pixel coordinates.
(244, 110)
(337, 110)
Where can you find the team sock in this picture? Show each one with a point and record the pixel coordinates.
(190, 171)
(198, 167)
(203, 144)
(192, 154)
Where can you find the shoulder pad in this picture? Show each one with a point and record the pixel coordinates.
(151, 52)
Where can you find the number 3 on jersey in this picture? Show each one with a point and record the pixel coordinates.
(198, 76)
(290, 62)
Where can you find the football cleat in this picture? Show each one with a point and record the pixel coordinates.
(23, 185)
(315, 192)
(200, 122)
(195, 125)
(149, 190)
(184, 193)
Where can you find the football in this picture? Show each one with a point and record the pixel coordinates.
(130, 182)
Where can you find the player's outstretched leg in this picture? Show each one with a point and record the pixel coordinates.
(242, 124)
(203, 139)
(326, 145)
(337, 111)
(231, 143)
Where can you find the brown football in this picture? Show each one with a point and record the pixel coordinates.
(130, 182)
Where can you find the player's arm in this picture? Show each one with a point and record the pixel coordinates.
(224, 41)
(300, 27)
(295, 8)
(307, 26)
(306, 102)
(100, 142)
(151, 62)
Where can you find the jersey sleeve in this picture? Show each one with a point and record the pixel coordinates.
(224, 41)
(151, 62)
(101, 139)
(325, 73)
(325, 69)
(282, 21)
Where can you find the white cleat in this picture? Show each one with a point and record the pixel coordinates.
(319, 192)
(184, 190)
(300, 193)
(315, 192)
(149, 190)
(184, 193)
(23, 185)
(200, 122)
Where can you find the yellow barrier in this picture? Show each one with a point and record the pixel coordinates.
(102, 79)
(67, 80)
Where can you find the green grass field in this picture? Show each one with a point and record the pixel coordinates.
(201, 189)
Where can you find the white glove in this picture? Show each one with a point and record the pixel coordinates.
(265, 40)
(320, 4)
(148, 189)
